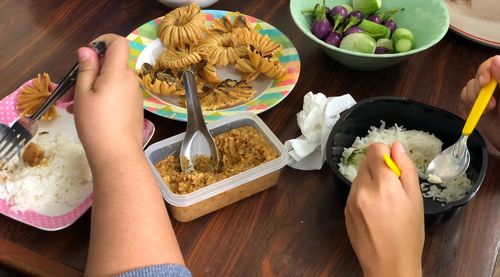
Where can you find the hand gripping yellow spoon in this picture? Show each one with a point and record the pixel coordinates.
(455, 159)
(392, 165)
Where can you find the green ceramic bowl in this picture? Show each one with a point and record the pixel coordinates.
(427, 19)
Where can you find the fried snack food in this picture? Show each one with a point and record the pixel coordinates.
(32, 97)
(227, 23)
(221, 49)
(208, 72)
(227, 93)
(263, 44)
(260, 57)
(182, 26)
(231, 40)
(177, 59)
(165, 82)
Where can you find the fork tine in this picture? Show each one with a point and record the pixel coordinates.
(7, 142)
(13, 143)
(14, 151)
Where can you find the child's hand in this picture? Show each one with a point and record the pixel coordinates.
(384, 215)
(108, 104)
(490, 122)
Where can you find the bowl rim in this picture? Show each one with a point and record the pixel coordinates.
(433, 42)
(448, 206)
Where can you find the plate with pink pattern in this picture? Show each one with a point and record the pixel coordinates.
(63, 218)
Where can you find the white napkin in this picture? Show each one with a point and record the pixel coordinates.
(315, 121)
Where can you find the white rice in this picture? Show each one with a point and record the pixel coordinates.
(51, 189)
(422, 147)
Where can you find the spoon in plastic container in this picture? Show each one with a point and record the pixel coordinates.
(455, 159)
(198, 150)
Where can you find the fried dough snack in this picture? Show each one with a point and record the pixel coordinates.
(208, 72)
(32, 97)
(182, 26)
(221, 49)
(227, 93)
(231, 40)
(227, 23)
(163, 82)
(177, 59)
(263, 44)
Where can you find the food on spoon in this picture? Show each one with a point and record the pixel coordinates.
(239, 150)
(32, 97)
(182, 26)
(420, 146)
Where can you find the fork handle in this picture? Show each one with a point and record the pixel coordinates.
(66, 83)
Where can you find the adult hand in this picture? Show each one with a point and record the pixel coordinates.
(107, 102)
(384, 214)
(490, 122)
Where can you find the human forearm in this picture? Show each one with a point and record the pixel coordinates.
(125, 191)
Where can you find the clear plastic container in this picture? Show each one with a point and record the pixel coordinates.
(225, 192)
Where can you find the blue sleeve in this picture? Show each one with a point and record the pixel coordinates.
(162, 270)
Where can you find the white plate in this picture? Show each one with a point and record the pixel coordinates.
(472, 23)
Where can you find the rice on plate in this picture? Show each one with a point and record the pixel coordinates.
(54, 187)
(421, 146)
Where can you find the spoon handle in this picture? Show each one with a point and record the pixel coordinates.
(195, 115)
(479, 106)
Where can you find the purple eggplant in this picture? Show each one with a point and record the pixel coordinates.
(391, 24)
(334, 38)
(354, 18)
(352, 30)
(321, 27)
(339, 15)
(375, 18)
(381, 50)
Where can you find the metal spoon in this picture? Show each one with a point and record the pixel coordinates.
(198, 150)
(455, 159)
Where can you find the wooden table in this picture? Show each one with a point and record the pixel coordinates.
(293, 229)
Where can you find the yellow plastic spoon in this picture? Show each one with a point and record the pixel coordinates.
(455, 159)
(392, 165)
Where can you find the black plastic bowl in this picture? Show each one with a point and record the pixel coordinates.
(411, 115)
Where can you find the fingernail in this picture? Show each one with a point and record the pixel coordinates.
(482, 79)
(400, 147)
(83, 54)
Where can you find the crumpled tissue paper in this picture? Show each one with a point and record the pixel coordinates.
(315, 121)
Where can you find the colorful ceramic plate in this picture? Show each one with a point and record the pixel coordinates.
(474, 25)
(145, 47)
(64, 123)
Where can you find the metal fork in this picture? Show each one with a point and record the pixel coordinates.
(20, 133)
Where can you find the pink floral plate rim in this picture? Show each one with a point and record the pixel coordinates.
(8, 113)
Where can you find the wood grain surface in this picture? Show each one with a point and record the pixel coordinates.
(297, 227)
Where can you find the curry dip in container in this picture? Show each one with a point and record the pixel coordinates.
(191, 196)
